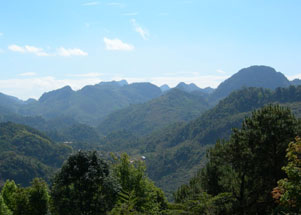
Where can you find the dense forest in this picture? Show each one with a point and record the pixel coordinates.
(232, 150)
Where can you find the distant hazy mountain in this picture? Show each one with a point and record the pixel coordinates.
(10, 102)
(164, 88)
(187, 87)
(142, 119)
(254, 76)
(92, 103)
(208, 90)
(295, 82)
(192, 88)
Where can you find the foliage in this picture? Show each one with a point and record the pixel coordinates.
(38, 197)
(8, 191)
(31, 200)
(249, 164)
(3, 207)
(288, 192)
(84, 186)
(138, 194)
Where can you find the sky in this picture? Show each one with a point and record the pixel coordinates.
(45, 45)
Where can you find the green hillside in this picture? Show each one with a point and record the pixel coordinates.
(142, 119)
(253, 76)
(26, 153)
(181, 148)
(92, 103)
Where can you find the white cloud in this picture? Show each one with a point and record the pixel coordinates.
(16, 48)
(92, 3)
(117, 45)
(40, 52)
(143, 32)
(28, 49)
(88, 75)
(1, 34)
(70, 52)
(28, 74)
(35, 50)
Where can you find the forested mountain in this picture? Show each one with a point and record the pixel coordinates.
(61, 129)
(92, 103)
(9, 102)
(142, 119)
(295, 82)
(164, 88)
(187, 87)
(182, 147)
(193, 88)
(133, 117)
(254, 76)
(26, 153)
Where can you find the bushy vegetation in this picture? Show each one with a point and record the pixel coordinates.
(87, 184)
(242, 172)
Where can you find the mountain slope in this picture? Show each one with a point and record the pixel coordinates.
(92, 103)
(182, 147)
(190, 88)
(26, 153)
(61, 129)
(254, 76)
(10, 102)
(173, 106)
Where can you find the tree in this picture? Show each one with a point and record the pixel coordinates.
(288, 192)
(255, 155)
(8, 193)
(138, 194)
(249, 164)
(22, 201)
(84, 186)
(21, 197)
(3, 207)
(38, 197)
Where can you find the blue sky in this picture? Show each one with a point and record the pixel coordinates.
(47, 44)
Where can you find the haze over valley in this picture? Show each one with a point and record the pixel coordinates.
(150, 107)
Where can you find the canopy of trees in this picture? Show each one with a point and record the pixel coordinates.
(248, 166)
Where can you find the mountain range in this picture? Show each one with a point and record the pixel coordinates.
(171, 127)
